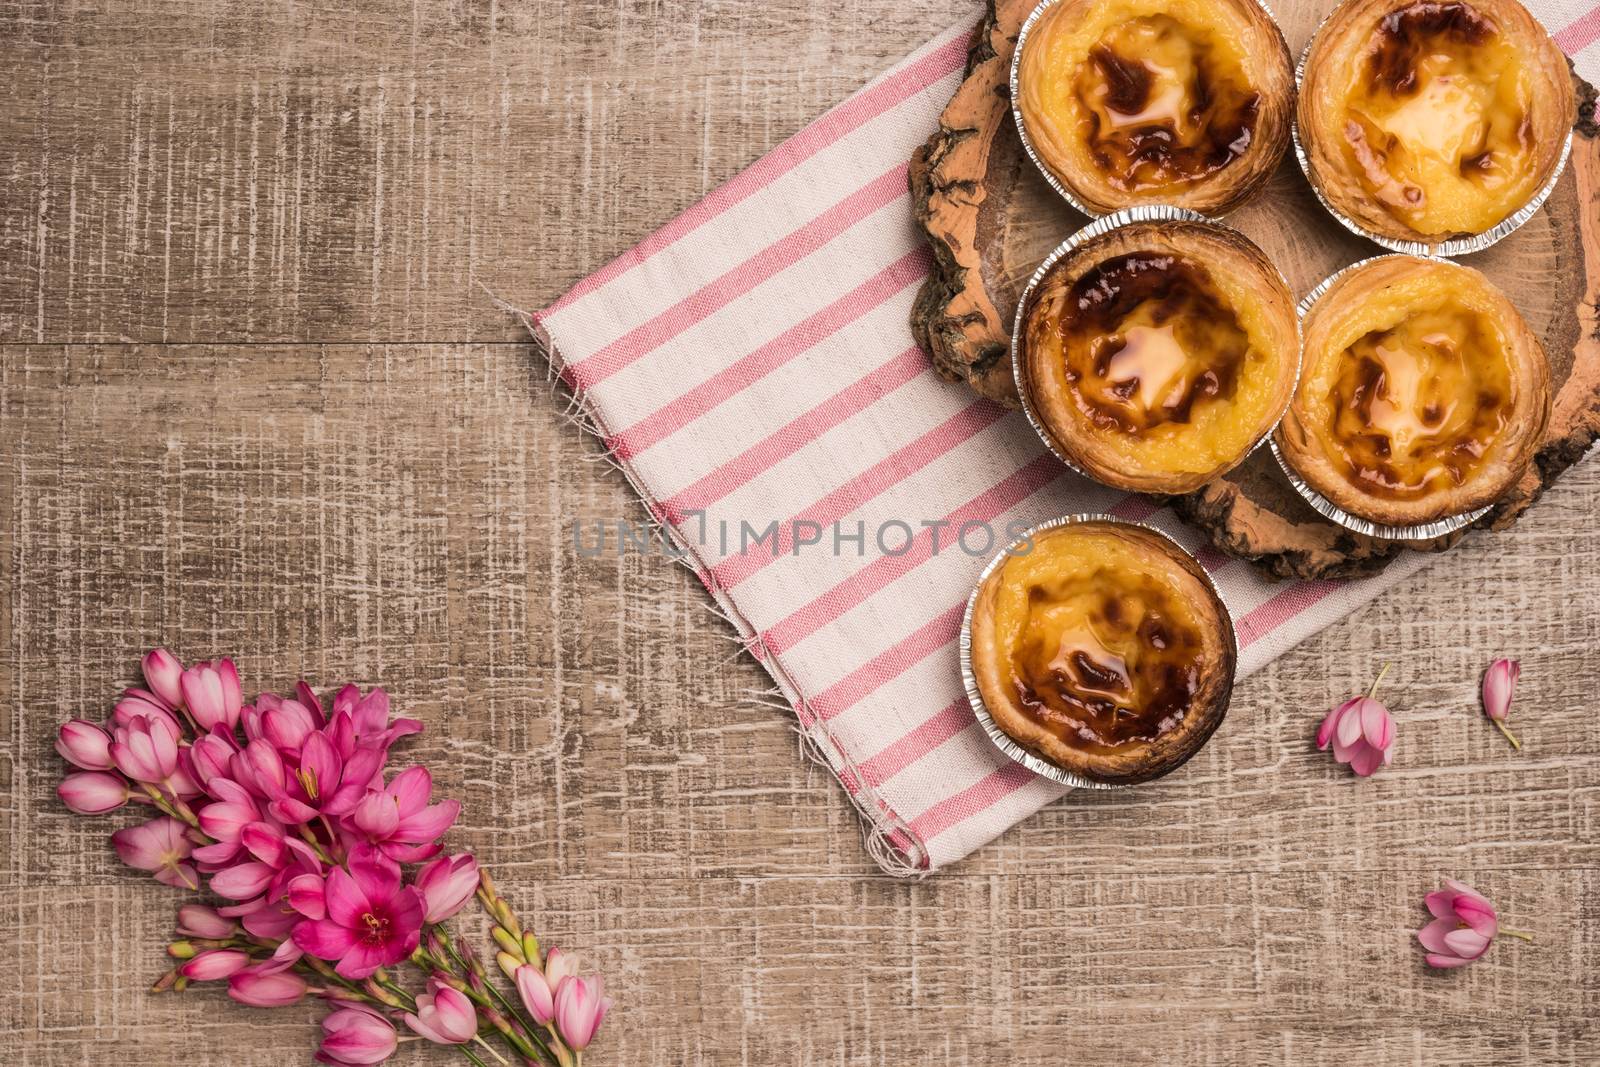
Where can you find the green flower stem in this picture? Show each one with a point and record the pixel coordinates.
(1378, 680)
(316, 846)
(1519, 934)
(322, 970)
(487, 1048)
(176, 808)
(1514, 742)
(515, 1011)
(406, 998)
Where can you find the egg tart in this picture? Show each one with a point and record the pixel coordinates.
(1126, 102)
(1154, 356)
(1423, 395)
(1101, 648)
(1427, 121)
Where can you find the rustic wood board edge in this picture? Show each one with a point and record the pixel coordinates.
(964, 327)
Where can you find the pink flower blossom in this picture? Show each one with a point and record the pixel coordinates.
(364, 721)
(536, 994)
(355, 1036)
(161, 845)
(198, 920)
(93, 792)
(146, 749)
(211, 693)
(399, 820)
(446, 885)
(211, 756)
(371, 920)
(261, 989)
(1464, 926)
(444, 1015)
(1499, 685)
(581, 1006)
(225, 819)
(83, 744)
(1361, 731)
(162, 670)
(321, 781)
(286, 724)
(215, 965)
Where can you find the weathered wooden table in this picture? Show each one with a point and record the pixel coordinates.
(252, 398)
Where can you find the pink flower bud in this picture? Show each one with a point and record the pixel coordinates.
(260, 990)
(138, 704)
(198, 920)
(83, 744)
(215, 965)
(444, 1015)
(559, 965)
(211, 691)
(355, 1034)
(446, 885)
(162, 671)
(242, 881)
(1499, 684)
(536, 994)
(93, 792)
(146, 749)
(581, 1007)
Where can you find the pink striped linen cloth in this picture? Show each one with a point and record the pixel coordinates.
(750, 361)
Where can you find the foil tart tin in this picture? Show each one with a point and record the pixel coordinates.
(1016, 107)
(1458, 246)
(1016, 114)
(980, 710)
(1426, 531)
(1099, 227)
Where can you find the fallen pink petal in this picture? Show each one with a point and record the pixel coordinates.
(1499, 686)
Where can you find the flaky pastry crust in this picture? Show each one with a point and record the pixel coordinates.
(1183, 102)
(1103, 650)
(1427, 121)
(1156, 356)
(1423, 394)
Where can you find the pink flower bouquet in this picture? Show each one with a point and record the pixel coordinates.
(328, 879)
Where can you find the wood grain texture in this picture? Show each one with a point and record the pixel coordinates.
(387, 495)
(991, 219)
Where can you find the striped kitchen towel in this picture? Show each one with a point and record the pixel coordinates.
(750, 369)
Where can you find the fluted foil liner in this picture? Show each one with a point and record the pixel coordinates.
(1458, 246)
(980, 710)
(1098, 228)
(1328, 509)
(1016, 107)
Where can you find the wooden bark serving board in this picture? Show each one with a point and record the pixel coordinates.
(990, 219)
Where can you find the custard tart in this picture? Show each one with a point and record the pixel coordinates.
(1423, 395)
(1102, 648)
(1126, 102)
(1425, 121)
(1155, 355)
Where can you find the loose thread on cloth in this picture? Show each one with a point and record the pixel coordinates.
(886, 837)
